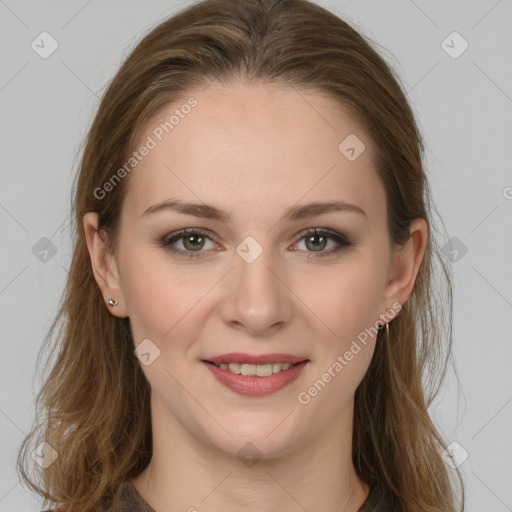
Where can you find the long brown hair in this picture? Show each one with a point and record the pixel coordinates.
(93, 408)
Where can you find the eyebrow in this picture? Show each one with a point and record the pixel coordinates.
(294, 213)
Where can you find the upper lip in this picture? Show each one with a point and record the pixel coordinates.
(240, 358)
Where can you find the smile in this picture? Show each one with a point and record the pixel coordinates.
(256, 380)
(258, 370)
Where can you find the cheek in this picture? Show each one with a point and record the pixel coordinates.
(158, 295)
(345, 300)
(350, 309)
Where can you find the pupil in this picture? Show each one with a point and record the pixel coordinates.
(190, 238)
(317, 244)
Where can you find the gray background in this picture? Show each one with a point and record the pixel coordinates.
(464, 108)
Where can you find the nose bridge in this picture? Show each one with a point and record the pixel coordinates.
(256, 297)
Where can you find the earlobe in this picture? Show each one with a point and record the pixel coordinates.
(104, 266)
(406, 264)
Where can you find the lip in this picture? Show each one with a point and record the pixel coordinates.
(257, 386)
(240, 358)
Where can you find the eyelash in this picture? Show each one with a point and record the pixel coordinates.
(341, 240)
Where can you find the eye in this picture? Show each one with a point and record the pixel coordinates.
(316, 240)
(193, 240)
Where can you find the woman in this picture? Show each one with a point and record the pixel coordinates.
(250, 315)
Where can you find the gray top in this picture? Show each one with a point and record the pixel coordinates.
(131, 501)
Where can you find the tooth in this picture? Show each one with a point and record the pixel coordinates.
(234, 367)
(264, 370)
(248, 369)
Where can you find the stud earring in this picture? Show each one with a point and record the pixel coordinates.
(112, 303)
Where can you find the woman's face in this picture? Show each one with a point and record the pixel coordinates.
(247, 280)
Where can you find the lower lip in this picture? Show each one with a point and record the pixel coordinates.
(257, 386)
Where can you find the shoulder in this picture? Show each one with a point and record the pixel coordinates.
(129, 501)
(376, 501)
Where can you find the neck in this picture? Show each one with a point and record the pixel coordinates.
(186, 473)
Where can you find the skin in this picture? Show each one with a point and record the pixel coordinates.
(254, 150)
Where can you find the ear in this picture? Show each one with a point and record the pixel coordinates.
(104, 265)
(406, 263)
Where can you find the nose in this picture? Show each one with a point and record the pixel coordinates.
(257, 296)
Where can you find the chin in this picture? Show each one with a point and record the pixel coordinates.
(256, 435)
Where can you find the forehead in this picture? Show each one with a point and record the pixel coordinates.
(247, 143)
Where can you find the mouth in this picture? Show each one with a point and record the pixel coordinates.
(256, 376)
(254, 370)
